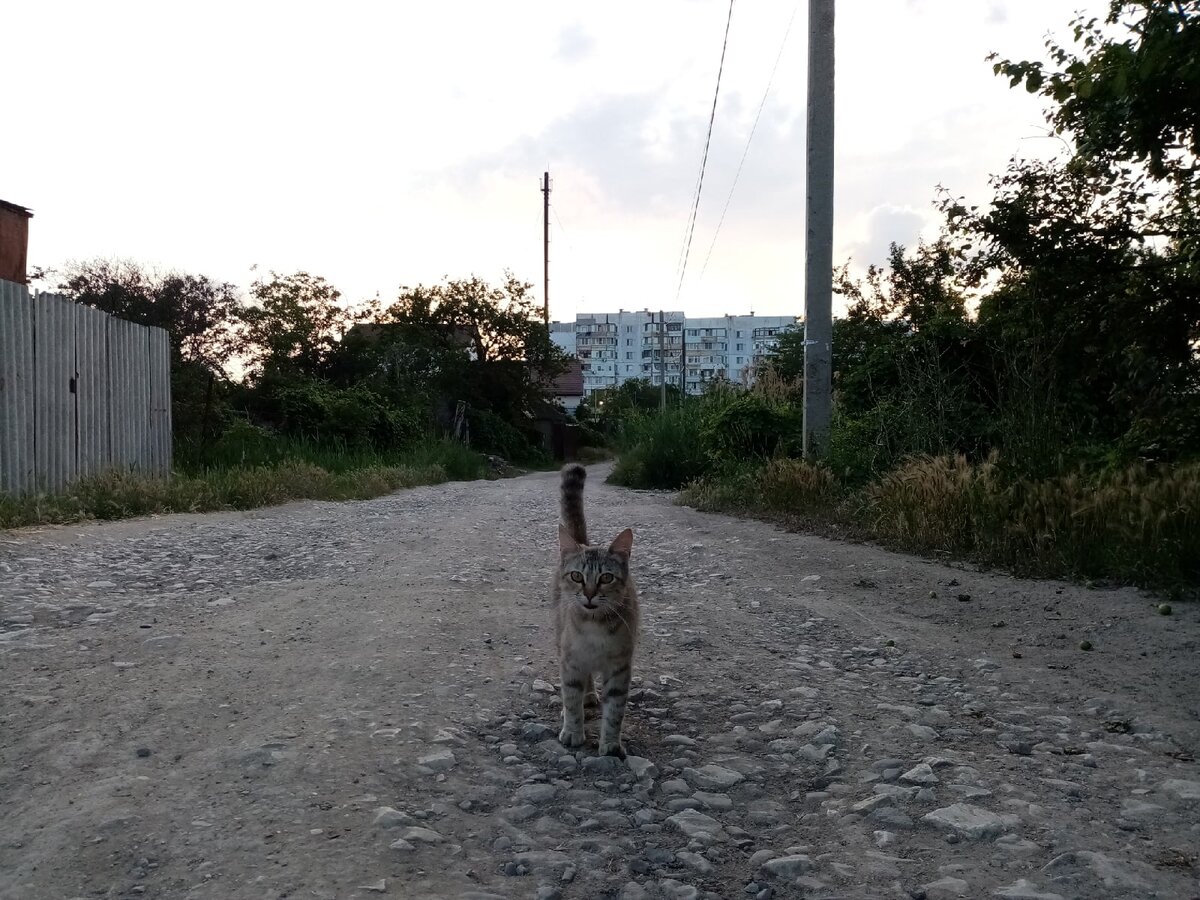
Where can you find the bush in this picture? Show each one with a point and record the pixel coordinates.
(491, 433)
(793, 485)
(349, 415)
(660, 450)
(748, 427)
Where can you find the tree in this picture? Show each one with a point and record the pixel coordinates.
(1132, 97)
(199, 315)
(496, 323)
(294, 324)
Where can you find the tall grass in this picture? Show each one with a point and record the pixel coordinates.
(660, 450)
(263, 475)
(1133, 525)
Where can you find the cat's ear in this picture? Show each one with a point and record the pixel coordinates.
(566, 542)
(622, 545)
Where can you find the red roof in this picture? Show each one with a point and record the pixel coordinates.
(570, 382)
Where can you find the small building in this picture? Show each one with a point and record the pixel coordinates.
(14, 242)
(568, 387)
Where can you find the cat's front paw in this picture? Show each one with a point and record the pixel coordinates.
(569, 737)
(616, 750)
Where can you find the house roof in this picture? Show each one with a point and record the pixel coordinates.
(13, 208)
(570, 382)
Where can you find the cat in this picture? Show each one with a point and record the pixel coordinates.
(596, 620)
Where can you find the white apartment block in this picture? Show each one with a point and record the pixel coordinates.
(615, 347)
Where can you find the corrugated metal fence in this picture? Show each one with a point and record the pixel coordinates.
(80, 393)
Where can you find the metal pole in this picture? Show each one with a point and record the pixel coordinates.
(546, 248)
(818, 264)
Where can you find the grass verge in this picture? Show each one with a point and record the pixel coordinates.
(330, 476)
(1134, 526)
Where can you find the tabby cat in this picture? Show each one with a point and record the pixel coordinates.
(596, 620)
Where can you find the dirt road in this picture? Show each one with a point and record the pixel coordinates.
(357, 700)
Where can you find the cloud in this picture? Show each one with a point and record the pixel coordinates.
(643, 158)
(575, 43)
(886, 225)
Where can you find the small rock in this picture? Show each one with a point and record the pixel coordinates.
(1188, 791)
(143, 752)
(536, 793)
(439, 761)
(402, 845)
(788, 866)
(386, 817)
(713, 778)
(948, 888)
(1025, 890)
(695, 861)
(377, 887)
(921, 773)
(641, 767)
(970, 823)
(421, 835)
(697, 825)
(536, 731)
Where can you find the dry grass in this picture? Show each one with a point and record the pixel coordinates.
(1135, 525)
(122, 495)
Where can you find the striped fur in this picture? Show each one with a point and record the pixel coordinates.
(596, 621)
(571, 501)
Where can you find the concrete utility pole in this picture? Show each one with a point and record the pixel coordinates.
(818, 263)
(683, 358)
(662, 357)
(546, 248)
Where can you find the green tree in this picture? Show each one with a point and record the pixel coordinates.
(200, 315)
(1133, 96)
(293, 325)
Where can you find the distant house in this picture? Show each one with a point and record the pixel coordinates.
(567, 388)
(14, 242)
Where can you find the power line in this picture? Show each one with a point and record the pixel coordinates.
(691, 228)
(753, 128)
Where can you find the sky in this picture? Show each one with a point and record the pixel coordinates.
(381, 144)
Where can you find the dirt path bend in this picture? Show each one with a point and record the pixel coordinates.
(357, 700)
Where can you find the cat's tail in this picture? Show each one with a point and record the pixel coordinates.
(573, 477)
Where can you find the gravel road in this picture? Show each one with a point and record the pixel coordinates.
(355, 700)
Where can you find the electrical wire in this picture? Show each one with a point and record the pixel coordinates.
(691, 228)
(749, 139)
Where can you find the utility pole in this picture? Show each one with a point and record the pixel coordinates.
(662, 357)
(683, 359)
(546, 248)
(818, 263)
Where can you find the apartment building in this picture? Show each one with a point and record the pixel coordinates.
(615, 347)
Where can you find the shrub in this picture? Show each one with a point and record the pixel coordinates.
(660, 450)
(749, 427)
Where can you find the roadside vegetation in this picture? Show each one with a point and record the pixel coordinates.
(1024, 389)
(289, 394)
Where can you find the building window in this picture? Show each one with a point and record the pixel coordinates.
(741, 346)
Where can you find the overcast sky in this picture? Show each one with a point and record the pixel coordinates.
(386, 143)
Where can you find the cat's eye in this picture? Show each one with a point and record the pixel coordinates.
(577, 577)
(606, 578)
